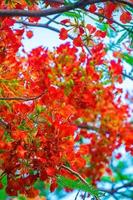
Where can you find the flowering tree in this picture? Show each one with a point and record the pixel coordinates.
(61, 111)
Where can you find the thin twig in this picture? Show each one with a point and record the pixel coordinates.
(125, 2)
(56, 22)
(53, 19)
(55, 1)
(112, 191)
(85, 126)
(77, 175)
(40, 25)
(77, 195)
(127, 76)
(22, 98)
(4, 124)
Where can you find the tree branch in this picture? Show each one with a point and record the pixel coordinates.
(55, 1)
(125, 2)
(4, 124)
(77, 175)
(52, 19)
(40, 25)
(127, 76)
(22, 98)
(112, 191)
(85, 126)
(50, 11)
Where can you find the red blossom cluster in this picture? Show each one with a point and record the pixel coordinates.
(59, 110)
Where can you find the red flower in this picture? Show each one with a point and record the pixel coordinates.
(101, 34)
(63, 34)
(125, 17)
(92, 8)
(118, 156)
(65, 21)
(29, 34)
(53, 186)
(91, 28)
(109, 9)
(116, 68)
(78, 41)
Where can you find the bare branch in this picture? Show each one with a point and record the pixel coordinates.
(53, 19)
(127, 76)
(125, 2)
(35, 13)
(112, 191)
(56, 22)
(40, 25)
(75, 174)
(50, 11)
(77, 195)
(85, 126)
(22, 98)
(130, 184)
(4, 124)
(55, 1)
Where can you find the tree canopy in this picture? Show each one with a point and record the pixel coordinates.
(63, 112)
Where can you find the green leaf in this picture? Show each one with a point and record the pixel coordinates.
(78, 185)
(6, 1)
(23, 126)
(130, 9)
(21, 197)
(3, 194)
(122, 37)
(7, 136)
(106, 179)
(102, 26)
(73, 14)
(129, 59)
(28, 2)
(39, 109)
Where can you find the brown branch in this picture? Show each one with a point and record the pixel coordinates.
(35, 13)
(77, 175)
(52, 19)
(4, 124)
(40, 25)
(50, 11)
(124, 186)
(55, 1)
(127, 76)
(56, 22)
(22, 98)
(125, 2)
(85, 126)
(77, 195)
(115, 190)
